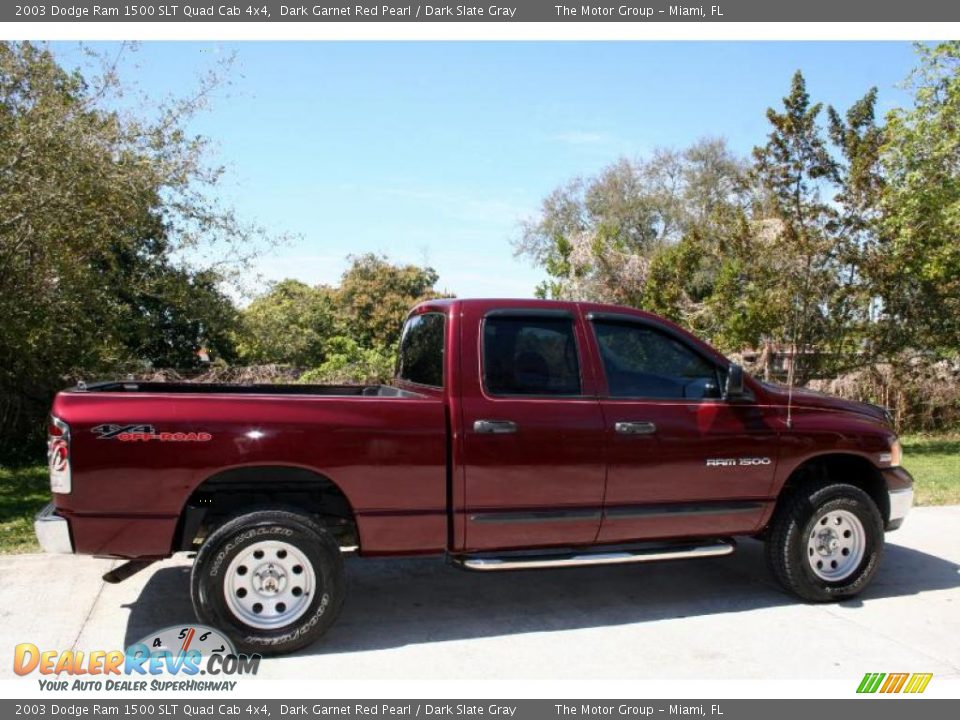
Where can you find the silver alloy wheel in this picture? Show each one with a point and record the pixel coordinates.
(269, 584)
(836, 545)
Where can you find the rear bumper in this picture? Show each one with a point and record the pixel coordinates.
(52, 531)
(900, 494)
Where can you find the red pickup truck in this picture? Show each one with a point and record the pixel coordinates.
(517, 434)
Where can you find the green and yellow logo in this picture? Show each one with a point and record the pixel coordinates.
(894, 682)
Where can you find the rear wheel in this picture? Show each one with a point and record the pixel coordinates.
(272, 580)
(825, 541)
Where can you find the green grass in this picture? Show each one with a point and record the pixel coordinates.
(23, 491)
(933, 460)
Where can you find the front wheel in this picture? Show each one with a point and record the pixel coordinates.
(272, 580)
(825, 542)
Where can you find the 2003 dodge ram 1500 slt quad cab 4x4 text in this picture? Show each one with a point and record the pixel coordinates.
(517, 434)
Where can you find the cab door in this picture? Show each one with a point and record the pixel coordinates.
(682, 461)
(532, 430)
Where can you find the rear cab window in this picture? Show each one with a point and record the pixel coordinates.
(422, 343)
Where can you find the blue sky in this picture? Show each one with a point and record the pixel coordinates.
(434, 152)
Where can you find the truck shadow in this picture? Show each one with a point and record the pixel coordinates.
(397, 602)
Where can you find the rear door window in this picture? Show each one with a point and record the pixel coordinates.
(530, 356)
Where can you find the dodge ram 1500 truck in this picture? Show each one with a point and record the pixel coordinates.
(516, 434)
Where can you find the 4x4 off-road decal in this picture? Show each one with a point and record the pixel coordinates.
(146, 433)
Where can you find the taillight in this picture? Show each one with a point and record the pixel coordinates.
(58, 455)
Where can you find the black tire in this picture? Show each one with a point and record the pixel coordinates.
(314, 543)
(792, 561)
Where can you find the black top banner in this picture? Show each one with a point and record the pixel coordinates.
(858, 11)
(223, 706)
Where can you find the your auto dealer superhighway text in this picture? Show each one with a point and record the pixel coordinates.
(411, 710)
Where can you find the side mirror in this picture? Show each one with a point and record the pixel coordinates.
(734, 388)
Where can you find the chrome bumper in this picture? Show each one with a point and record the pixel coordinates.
(53, 531)
(900, 503)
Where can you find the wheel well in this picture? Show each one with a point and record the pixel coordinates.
(234, 492)
(843, 468)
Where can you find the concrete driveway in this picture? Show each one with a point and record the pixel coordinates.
(419, 618)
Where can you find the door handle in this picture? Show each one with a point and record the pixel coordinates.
(495, 427)
(640, 427)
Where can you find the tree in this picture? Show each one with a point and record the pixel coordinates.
(859, 139)
(783, 264)
(726, 286)
(915, 265)
(375, 296)
(292, 324)
(796, 168)
(95, 207)
(161, 312)
(824, 204)
(347, 333)
(596, 237)
(747, 256)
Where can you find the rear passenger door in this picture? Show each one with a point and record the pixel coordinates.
(682, 460)
(532, 432)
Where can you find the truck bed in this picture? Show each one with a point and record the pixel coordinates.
(384, 447)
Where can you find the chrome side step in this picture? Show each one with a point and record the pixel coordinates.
(618, 556)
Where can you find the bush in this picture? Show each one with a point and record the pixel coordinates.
(922, 395)
(348, 362)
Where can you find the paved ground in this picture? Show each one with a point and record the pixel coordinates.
(721, 618)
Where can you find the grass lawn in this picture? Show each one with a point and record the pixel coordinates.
(933, 460)
(23, 491)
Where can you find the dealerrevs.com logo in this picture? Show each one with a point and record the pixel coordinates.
(181, 657)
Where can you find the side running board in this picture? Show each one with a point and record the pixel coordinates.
(530, 560)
